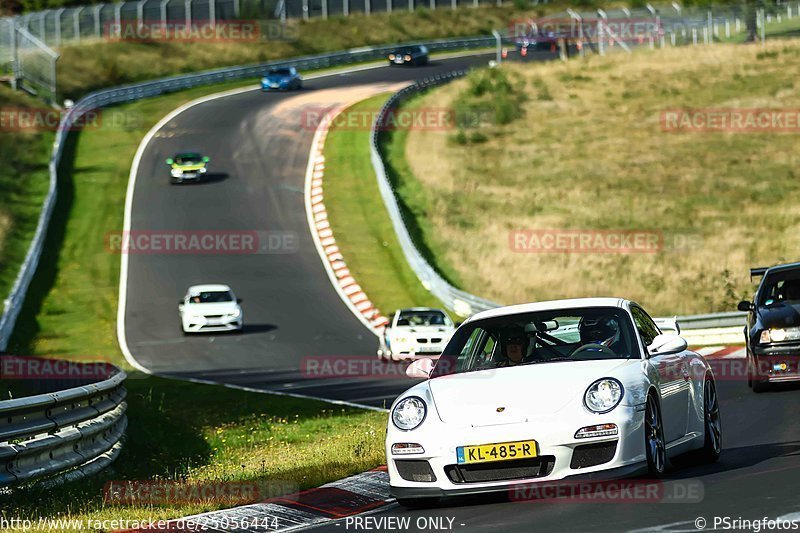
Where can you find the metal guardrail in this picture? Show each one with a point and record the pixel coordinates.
(137, 91)
(457, 300)
(460, 302)
(69, 434)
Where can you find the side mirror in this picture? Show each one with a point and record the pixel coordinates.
(206, 159)
(666, 344)
(420, 368)
(170, 161)
(745, 306)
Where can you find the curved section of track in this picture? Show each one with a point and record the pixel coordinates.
(259, 145)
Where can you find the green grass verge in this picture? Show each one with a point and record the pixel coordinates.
(362, 227)
(24, 180)
(178, 431)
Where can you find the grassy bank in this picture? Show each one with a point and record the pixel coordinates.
(178, 432)
(362, 227)
(588, 152)
(24, 182)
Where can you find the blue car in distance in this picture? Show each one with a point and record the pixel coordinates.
(281, 79)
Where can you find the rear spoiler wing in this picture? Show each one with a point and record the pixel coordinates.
(758, 272)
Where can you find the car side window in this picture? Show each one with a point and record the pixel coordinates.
(645, 326)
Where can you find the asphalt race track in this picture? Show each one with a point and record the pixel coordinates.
(258, 144)
(757, 476)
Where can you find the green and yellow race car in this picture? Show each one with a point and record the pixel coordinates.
(187, 166)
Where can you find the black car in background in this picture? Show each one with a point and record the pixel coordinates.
(773, 327)
(409, 55)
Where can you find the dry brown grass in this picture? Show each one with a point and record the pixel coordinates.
(593, 155)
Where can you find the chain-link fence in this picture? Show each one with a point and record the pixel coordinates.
(601, 31)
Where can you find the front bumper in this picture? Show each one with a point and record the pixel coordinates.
(517, 487)
(556, 446)
(776, 362)
(203, 325)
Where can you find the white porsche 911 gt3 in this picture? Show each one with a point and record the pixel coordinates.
(209, 308)
(415, 331)
(582, 388)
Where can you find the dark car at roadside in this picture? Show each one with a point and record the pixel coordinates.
(409, 55)
(773, 327)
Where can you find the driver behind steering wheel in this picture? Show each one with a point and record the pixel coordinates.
(603, 330)
(513, 347)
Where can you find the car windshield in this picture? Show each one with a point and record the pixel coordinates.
(188, 159)
(422, 318)
(584, 334)
(780, 287)
(280, 72)
(211, 297)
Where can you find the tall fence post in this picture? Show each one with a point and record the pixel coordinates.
(42, 27)
(98, 33)
(305, 9)
(140, 13)
(388, 6)
(162, 7)
(118, 15)
(324, 9)
(236, 9)
(411, 5)
(212, 12)
(76, 23)
(187, 10)
(367, 7)
(346, 8)
(14, 55)
(57, 24)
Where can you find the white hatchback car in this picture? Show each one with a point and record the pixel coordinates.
(209, 308)
(415, 331)
(546, 392)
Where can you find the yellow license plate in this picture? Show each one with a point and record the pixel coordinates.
(503, 451)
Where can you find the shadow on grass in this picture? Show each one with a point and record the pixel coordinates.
(27, 326)
(397, 179)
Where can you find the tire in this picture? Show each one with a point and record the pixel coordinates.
(760, 386)
(654, 443)
(712, 424)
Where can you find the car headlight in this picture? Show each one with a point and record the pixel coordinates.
(203, 170)
(603, 395)
(780, 335)
(236, 313)
(391, 57)
(176, 172)
(409, 413)
(407, 58)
